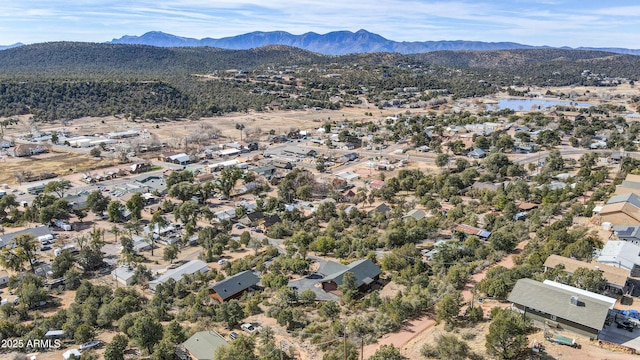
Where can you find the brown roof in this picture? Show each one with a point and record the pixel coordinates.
(621, 207)
(613, 275)
(527, 206)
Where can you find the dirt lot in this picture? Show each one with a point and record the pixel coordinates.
(60, 163)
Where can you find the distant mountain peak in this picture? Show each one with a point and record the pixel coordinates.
(332, 43)
(3, 47)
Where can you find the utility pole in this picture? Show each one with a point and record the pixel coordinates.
(345, 342)
(281, 350)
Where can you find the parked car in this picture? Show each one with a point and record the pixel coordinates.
(239, 226)
(248, 328)
(233, 335)
(45, 248)
(90, 345)
(173, 266)
(222, 261)
(627, 325)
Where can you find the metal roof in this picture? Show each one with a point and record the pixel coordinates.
(620, 253)
(589, 312)
(630, 198)
(191, 267)
(362, 269)
(204, 344)
(235, 284)
(7, 239)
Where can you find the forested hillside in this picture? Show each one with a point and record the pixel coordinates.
(71, 80)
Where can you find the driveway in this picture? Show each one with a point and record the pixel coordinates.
(309, 282)
(621, 336)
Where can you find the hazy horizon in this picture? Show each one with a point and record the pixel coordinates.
(544, 22)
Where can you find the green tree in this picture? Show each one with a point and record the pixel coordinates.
(24, 251)
(146, 331)
(164, 350)
(442, 160)
(171, 252)
(97, 203)
(241, 348)
(83, 333)
(59, 187)
(348, 287)
(308, 296)
(62, 263)
(135, 205)
(115, 211)
(507, 337)
(115, 349)
(178, 177)
(388, 352)
(448, 308)
(95, 152)
(232, 313)
(174, 333)
(227, 180)
(588, 279)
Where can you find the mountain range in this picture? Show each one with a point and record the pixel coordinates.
(332, 43)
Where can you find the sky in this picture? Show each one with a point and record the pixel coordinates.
(589, 23)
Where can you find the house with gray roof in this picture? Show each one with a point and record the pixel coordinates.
(203, 345)
(191, 267)
(416, 214)
(365, 271)
(628, 233)
(233, 287)
(38, 232)
(576, 310)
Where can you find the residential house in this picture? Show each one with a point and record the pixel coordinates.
(471, 230)
(180, 159)
(382, 208)
(477, 153)
(282, 164)
(298, 151)
(40, 232)
(377, 184)
(267, 171)
(233, 287)
(22, 150)
(124, 274)
(616, 277)
(628, 233)
(348, 175)
(140, 168)
(253, 218)
(365, 271)
(415, 214)
(270, 220)
(4, 278)
(621, 254)
(191, 267)
(140, 244)
(623, 209)
(152, 183)
(527, 206)
(631, 184)
(203, 345)
(564, 307)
